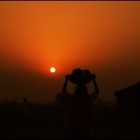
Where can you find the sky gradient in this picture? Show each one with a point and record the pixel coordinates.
(103, 37)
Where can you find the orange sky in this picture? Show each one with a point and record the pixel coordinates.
(101, 36)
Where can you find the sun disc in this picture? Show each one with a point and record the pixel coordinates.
(52, 70)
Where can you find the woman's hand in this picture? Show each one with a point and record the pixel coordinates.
(93, 76)
(67, 77)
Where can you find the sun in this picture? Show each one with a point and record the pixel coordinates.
(52, 70)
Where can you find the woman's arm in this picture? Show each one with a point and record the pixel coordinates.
(64, 89)
(96, 92)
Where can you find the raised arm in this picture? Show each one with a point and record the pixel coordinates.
(95, 94)
(64, 89)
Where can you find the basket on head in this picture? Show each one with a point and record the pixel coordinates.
(79, 76)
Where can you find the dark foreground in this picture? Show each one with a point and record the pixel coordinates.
(48, 122)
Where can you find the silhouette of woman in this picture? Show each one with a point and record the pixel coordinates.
(79, 108)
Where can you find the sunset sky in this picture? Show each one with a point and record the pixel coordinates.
(103, 37)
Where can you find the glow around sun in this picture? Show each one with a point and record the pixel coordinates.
(52, 70)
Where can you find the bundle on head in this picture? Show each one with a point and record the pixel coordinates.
(79, 76)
